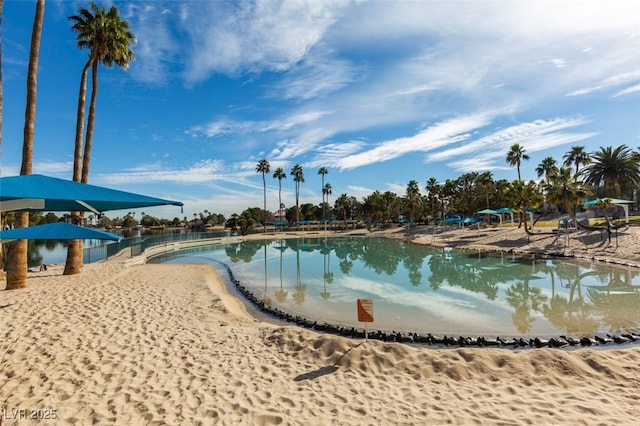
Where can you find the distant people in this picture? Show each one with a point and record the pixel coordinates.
(43, 267)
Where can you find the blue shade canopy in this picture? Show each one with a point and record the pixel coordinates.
(46, 193)
(614, 201)
(57, 231)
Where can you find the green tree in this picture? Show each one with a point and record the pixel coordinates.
(523, 196)
(615, 167)
(323, 171)
(516, 154)
(433, 195)
(577, 156)
(546, 167)
(485, 182)
(109, 41)
(413, 198)
(298, 177)
(345, 204)
(374, 208)
(17, 267)
(279, 174)
(563, 189)
(326, 191)
(264, 168)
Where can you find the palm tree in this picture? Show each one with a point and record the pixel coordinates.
(108, 39)
(413, 197)
(613, 166)
(264, 167)
(485, 182)
(522, 196)
(563, 189)
(577, 156)
(344, 203)
(433, 191)
(323, 171)
(326, 191)
(17, 267)
(546, 167)
(279, 174)
(298, 178)
(516, 154)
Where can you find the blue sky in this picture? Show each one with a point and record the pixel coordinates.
(379, 92)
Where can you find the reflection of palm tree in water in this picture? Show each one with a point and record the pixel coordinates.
(617, 310)
(327, 275)
(301, 289)
(266, 299)
(281, 294)
(524, 299)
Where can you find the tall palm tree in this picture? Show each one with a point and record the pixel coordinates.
(613, 166)
(516, 154)
(344, 203)
(17, 268)
(323, 171)
(326, 191)
(577, 156)
(433, 192)
(298, 177)
(413, 197)
(485, 182)
(547, 167)
(279, 174)
(109, 41)
(264, 167)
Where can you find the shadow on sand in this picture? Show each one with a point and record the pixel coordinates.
(322, 371)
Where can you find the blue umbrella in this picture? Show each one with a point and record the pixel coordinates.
(57, 231)
(44, 193)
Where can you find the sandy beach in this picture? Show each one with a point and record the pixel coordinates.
(148, 344)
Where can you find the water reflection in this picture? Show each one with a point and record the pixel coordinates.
(423, 289)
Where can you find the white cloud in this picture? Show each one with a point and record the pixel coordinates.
(266, 35)
(441, 134)
(533, 136)
(204, 171)
(628, 78)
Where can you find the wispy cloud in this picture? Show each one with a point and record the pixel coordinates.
(202, 172)
(439, 135)
(630, 79)
(533, 135)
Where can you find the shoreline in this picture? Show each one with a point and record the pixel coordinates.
(128, 344)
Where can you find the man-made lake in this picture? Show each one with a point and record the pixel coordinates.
(421, 289)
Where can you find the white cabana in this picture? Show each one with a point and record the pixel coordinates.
(624, 204)
(490, 213)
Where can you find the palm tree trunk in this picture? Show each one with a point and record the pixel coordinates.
(17, 269)
(73, 263)
(74, 251)
(82, 95)
(264, 200)
(90, 123)
(17, 256)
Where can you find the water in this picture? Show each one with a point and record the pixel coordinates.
(52, 251)
(424, 289)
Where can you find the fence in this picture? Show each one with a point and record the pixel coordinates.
(137, 245)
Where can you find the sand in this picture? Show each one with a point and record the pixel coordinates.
(146, 344)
